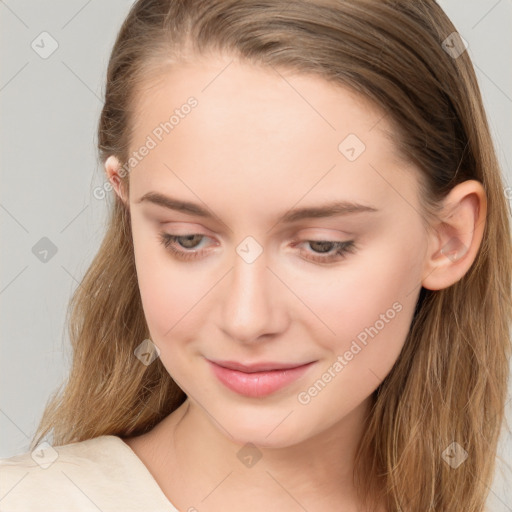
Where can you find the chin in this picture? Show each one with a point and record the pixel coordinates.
(266, 431)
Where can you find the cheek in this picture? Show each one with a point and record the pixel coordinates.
(167, 293)
(371, 317)
(370, 299)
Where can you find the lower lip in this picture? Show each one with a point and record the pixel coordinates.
(257, 384)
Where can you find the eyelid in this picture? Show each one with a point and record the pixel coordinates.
(342, 248)
(188, 229)
(317, 233)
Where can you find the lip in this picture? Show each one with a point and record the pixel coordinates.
(256, 367)
(259, 379)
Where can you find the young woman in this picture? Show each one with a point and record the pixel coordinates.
(302, 301)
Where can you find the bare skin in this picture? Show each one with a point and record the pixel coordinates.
(253, 148)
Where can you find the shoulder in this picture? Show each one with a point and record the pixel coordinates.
(96, 474)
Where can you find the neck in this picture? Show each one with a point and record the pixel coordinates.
(219, 470)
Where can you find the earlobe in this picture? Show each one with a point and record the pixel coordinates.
(112, 169)
(455, 240)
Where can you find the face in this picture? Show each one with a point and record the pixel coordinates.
(255, 271)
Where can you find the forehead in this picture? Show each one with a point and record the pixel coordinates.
(262, 127)
(226, 87)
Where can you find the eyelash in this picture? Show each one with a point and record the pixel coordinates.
(342, 248)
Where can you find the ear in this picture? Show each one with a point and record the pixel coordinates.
(455, 239)
(115, 174)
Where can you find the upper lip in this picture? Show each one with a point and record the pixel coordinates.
(257, 367)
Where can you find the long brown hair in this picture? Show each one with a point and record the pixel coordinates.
(449, 383)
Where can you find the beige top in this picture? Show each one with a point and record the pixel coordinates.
(97, 475)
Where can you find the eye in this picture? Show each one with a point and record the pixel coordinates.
(327, 251)
(323, 251)
(187, 242)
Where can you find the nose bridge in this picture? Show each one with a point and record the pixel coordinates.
(250, 306)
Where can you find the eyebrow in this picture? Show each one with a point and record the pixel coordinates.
(330, 209)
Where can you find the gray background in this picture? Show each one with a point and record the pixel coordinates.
(49, 111)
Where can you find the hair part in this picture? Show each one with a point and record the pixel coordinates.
(449, 383)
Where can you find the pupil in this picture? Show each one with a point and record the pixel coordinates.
(188, 239)
(324, 246)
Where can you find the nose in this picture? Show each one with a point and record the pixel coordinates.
(253, 302)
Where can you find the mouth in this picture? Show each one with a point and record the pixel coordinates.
(258, 379)
(257, 367)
